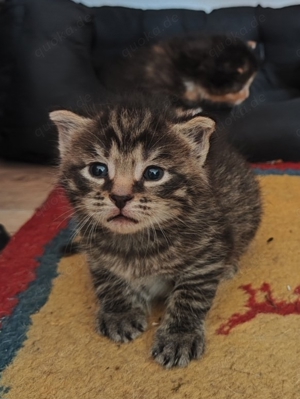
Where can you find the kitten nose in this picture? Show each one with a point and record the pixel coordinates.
(120, 200)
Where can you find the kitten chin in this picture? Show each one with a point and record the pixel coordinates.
(123, 224)
(164, 208)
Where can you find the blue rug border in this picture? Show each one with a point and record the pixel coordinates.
(265, 172)
(31, 301)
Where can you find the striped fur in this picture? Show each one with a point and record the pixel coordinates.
(190, 227)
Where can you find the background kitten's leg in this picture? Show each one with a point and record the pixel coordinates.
(122, 316)
(181, 338)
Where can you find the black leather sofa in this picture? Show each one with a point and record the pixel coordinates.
(53, 55)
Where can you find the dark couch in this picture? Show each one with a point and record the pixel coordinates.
(53, 55)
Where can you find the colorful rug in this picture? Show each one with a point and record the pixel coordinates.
(49, 348)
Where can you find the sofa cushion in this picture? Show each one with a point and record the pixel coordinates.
(56, 52)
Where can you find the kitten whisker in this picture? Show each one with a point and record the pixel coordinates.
(64, 216)
(160, 228)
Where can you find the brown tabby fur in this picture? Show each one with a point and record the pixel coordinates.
(190, 227)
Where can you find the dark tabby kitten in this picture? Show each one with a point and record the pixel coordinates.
(192, 69)
(164, 209)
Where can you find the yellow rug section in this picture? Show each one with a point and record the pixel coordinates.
(64, 358)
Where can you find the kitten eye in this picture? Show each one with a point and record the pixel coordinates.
(98, 169)
(153, 173)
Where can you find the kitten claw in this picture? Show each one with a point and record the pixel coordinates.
(178, 349)
(194, 350)
(176, 361)
(122, 327)
(166, 360)
(103, 329)
(138, 326)
(128, 336)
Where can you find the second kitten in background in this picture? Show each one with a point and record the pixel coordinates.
(190, 70)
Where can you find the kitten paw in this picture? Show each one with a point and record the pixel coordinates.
(177, 349)
(122, 327)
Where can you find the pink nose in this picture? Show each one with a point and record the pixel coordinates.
(120, 200)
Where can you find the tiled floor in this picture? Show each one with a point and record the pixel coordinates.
(23, 187)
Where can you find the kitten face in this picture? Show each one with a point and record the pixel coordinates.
(124, 171)
(217, 68)
(126, 189)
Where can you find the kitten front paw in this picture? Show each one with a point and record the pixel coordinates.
(177, 349)
(122, 327)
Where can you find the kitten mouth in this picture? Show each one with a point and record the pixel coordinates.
(122, 219)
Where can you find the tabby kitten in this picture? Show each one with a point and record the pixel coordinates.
(190, 70)
(164, 209)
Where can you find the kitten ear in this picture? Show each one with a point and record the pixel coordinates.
(252, 44)
(67, 123)
(197, 130)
